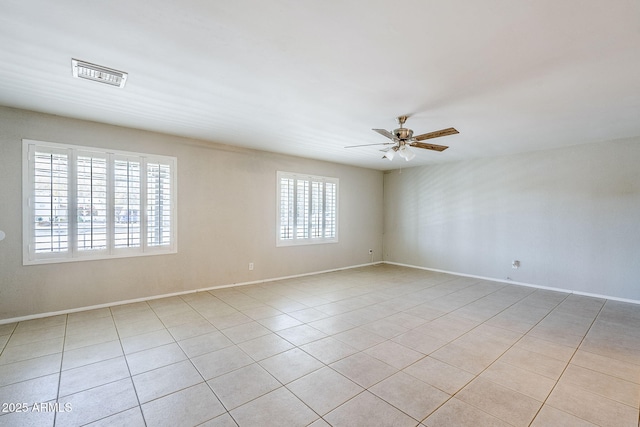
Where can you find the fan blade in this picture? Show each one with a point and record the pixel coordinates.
(429, 146)
(368, 145)
(384, 133)
(436, 134)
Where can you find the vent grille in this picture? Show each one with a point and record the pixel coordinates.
(98, 73)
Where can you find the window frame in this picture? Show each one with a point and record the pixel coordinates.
(112, 249)
(295, 240)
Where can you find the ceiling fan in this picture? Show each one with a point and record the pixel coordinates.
(403, 139)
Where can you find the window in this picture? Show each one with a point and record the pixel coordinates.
(307, 209)
(87, 203)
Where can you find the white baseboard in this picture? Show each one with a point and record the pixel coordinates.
(513, 282)
(149, 298)
(153, 297)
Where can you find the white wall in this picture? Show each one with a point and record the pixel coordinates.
(226, 217)
(571, 216)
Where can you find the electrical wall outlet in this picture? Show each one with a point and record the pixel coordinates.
(250, 266)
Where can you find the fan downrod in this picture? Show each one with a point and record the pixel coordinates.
(402, 133)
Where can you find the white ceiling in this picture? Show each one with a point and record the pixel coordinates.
(309, 77)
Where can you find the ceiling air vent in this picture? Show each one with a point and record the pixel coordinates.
(98, 73)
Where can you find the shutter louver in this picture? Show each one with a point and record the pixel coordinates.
(127, 204)
(91, 203)
(158, 205)
(50, 202)
(286, 208)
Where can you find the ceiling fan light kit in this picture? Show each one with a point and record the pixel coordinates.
(389, 154)
(405, 153)
(403, 139)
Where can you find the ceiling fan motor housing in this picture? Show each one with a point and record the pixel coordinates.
(403, 133)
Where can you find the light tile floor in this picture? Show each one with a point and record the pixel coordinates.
(375, 346)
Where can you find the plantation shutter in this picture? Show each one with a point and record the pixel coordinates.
(307, 209)
(88, 203)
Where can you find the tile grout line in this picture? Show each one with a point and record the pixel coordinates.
(502, 354)
(64, 341)
(126, 361)
(567, 365)
(523, 335)
(205, 381)
(285, 386)
(367, 389)
(6, 344)
(110, 382)
(408, 288)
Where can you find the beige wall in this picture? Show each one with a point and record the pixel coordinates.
(571, 216)
(226, 219)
